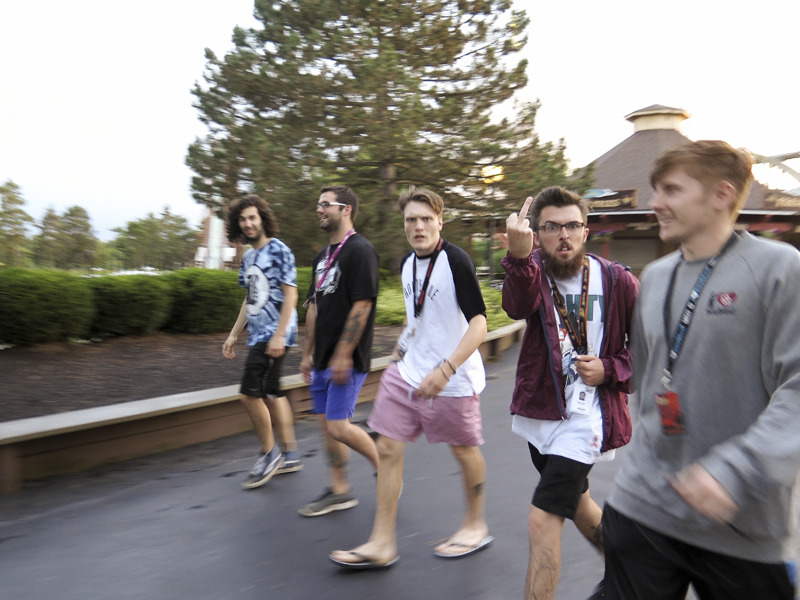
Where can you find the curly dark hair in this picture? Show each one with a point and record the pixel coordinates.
(268, 221)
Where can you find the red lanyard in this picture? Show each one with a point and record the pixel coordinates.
(419, 301)
(579, 339)
(329, 260)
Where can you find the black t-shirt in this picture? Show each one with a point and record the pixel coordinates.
(352, 277)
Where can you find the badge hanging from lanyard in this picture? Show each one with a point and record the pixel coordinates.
(419, 300)
(582, 398)
(669, 402)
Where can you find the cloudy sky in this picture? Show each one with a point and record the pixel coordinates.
(96, 110)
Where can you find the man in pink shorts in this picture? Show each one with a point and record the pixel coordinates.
(434, 385)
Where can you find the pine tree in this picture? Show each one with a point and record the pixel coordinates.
(374, 94)
(78, 243)
(14, 223)
(47, 244)
(162, 242)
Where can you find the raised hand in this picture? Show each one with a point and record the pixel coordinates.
(520, 234)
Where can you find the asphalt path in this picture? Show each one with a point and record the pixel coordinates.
(178, 525)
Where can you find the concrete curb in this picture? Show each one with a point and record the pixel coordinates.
(82, 439)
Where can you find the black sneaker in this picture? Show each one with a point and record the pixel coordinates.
(327, 503)
(265, 467)
(291, 463)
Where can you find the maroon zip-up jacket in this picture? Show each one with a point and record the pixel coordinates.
(539, 388)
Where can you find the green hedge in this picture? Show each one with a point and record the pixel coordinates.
(303, 283)
(204, 301)
(130, 304)
(496, 317)
(39, 305)
(391, 306)
(42, 305)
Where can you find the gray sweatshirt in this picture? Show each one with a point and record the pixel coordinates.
(738, 379)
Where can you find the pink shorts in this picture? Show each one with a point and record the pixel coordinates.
(400, 415)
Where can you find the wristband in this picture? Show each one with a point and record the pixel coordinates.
(450, 364)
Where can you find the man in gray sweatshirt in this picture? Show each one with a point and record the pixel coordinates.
(704, 495)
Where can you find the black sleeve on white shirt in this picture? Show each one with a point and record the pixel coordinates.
(468, 290)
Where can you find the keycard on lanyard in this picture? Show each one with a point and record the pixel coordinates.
(669, 406)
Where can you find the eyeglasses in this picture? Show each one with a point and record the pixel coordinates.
(551, 228)
(325, 204)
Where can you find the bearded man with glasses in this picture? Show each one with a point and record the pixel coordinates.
(570, 400)
(341, 304)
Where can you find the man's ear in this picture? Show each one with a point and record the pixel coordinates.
(724, 195)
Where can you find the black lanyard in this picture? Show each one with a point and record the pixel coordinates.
(688, 311)
(579, 339)
(420, 300)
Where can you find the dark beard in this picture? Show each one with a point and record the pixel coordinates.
(561, 269)
(252, 240)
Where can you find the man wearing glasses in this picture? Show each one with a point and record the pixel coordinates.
(336, 355)
(570, 399)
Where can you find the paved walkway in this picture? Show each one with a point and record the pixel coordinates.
(178, 525)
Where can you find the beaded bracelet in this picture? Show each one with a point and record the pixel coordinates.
(450, 364)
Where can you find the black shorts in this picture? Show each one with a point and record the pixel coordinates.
(262, 373)
(563, 483)
(642, 564)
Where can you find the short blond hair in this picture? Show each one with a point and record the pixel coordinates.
(426, 196)
(709, 162)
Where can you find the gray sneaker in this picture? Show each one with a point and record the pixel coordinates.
(327, 503)
(291, 463)
(266, 466)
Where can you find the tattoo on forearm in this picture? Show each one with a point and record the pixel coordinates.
(478, 490)
(353, 328)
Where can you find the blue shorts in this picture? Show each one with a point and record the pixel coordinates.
(336, 401)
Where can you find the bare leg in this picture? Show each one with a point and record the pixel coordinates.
(473, 528)
(282, 416)
(381, 547)
(544, 532)
(587, 520)
(341, 436)
(262, 423)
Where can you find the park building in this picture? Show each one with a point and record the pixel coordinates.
(622, 225)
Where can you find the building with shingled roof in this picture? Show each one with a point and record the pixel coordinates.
(622, 225)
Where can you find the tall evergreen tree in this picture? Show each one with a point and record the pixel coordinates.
(162, 242)
(375, 94)
(47, 244)
(14, 223)
(78, 243)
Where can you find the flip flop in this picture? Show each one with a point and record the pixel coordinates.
(363, 563)
(467, 549)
